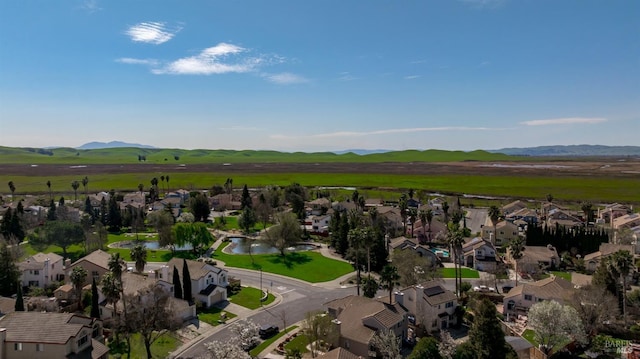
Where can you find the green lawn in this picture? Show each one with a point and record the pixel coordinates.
(308, 266)
(300, 342)
(159, 349)
(530, 336)
(212, 315)
(466, 273)
(262, 346)
(249, 297)
(563, 275)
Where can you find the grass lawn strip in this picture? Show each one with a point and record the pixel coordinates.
(262, 346)
(466, 273)
(212, 315)
(563, 275)
(300, 342)
(308, 266)
(159, 349)
(249, 297)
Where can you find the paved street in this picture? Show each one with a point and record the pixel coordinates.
(475, 219)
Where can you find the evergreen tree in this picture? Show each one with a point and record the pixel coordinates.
(104, 212)
(115, 217)
(95, 306)
(177, 287)
(9, 272)
(88, 209)
(486, 335)
(186, 278)
(245, 200)
(200, 208)
(5, 226)
(19, 300)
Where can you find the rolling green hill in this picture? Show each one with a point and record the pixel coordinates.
(126, 155)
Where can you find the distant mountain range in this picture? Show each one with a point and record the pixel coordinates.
(361, 151)
(571, 150)
(112, 144)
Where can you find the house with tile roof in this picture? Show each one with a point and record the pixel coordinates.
(51, 335)
(7, 305)
(592, 260)
(339, 353)
(502, 234)
(627, 221)
(513, 207)
(521, 298)
(41, 270)
(208, 282)
(479, 254)
(95, 263)
(360, 318)
(535, 258)
(430, 305)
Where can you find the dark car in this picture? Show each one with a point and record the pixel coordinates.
(267, 331)
(506, 288)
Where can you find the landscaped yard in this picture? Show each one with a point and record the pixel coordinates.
(159, 349)
(308, 266)
(563, 275)
(466, 273)
(262, 346)
(530, 336)
(212, 315)
(300, 342)
(249, 297)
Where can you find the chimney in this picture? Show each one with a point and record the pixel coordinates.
(165, 273)
(399, 298)
(3, 338)
(67, 263)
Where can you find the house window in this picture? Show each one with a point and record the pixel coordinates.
(449, 305)
(83, 340)
(511, 304)
(95, 273)
(34, 283)
(528, 297)
(435, 323)
(96, 332)
(39, 347)
(36, 272)
(17, 346)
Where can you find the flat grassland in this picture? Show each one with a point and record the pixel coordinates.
(455, 173)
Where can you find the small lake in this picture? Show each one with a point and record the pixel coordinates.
(150, 245)
(241, 246)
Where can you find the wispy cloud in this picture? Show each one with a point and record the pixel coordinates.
(484, 3)
(412, 77)
(383, 132)
(152, 32)
(564, 121)
(132, 61)
(90, 6)
(285, 78)
(211, 61)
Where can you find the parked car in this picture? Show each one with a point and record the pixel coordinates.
(506, 288)
(483, 289)
(267, 331)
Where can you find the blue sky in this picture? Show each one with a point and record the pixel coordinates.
(295, 75)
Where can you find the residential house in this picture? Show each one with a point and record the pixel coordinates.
(134, 283)
(520, 345)
(35, 215)
(319, 206)
(413, 203)
(7, 305)
(95, 263)
(526, 215)
(592, 260)
(521, 298)
(613, 211)
(134, 200)
(35, 335)
(223, 201)
(563, 218)
(208, 282)
(391, 216)
(429, 305)
(404, 243)
(319, 225)
(627, 221)
(344, 206)
(535, 258)
(339, 353)
(181, 194)
(512, 207)
(436, 204)
(41, 270)
(479, 254)
(64, 293)
(502, 234)
(360, 318)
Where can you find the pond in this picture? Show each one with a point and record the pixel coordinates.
(241, 246)
(150, 245)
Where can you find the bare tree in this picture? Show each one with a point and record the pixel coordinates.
(151, 314)
(388, 344)
(594, 306)
(320, 330)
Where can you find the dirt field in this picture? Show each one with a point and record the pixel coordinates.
(627, 168)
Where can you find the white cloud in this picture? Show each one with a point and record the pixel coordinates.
(91, 6)
(132, 61)
(285, 78)
(564, 121)
(412, 77)
(209, 62)
(383, 132)
(151, 32)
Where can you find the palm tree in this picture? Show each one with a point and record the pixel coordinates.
(115, 265)
(354, 197)
(78, 275)
(75, 185)
(423, 221)
(587, 208)
(445, 209)
(49, 185)
(162, 180)
(549, 197)
(389, 278)
(516, 247)
(429, 216)
(140, 187)
(166, 178)
(494, 216)
(85, 184)
(622, 261)
(403, 205)
(455, 239)
(357, 240)
(139, 255)
(12, 188)
(413, 214)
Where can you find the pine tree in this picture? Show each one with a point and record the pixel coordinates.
(486, 335)
(9, 273)
(177, 287)
(19, 300)
(186, 278)
(245, 200)
(95, 306)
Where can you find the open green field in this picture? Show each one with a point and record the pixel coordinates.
(594, 189)
(308, 266)
(129, 155)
